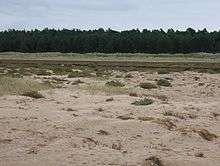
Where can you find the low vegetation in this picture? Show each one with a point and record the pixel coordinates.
(163, 82)
(9, 85)
(75, 74)
(148, 85)
(108, 90)
(115, 83)
(205, 134)
(142, 102)
(33, 94)
(152, 161)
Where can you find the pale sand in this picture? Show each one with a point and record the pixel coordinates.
(42, 132)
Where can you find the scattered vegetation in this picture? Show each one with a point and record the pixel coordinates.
(163, 71)
(70, 110)
(129, 76)
(77, 82)
(163, 82)
(109, 90)
(109, 99)
(103, 132)
(125, 117)
(199, 154)
(9, 85)
(133, 94)
(147, 85)
(33, 94)
(166, 123)
(100, 110)
(180, 115)
(146, 118)
(75, 74)
(205, 134)
(143, 102)
(115, 83)
(153, 161)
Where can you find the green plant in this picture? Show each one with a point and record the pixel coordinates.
(115, 83)
(75, 74)
(144, 101)
(147, 85)
(33, 94)
(163, 71)
(163, 82)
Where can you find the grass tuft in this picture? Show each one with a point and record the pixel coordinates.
(163, 82)
(144, 101)
(33, 94)
(147, 85)
(115, 84)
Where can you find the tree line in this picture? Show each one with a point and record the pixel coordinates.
(110, 41)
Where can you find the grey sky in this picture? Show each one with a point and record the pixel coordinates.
(114, 14)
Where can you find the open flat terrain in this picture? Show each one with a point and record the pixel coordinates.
(80, 115)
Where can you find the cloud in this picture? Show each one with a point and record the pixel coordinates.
(116, 14)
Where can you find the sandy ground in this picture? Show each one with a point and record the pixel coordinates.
(72, 127)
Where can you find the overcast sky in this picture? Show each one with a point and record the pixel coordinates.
(114, 14)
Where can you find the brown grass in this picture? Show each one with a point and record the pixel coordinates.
(9, 85)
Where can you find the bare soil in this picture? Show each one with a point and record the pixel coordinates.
(74, 126)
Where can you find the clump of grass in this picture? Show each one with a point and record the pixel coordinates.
(199, 154)
(129, 76)
(109, 99)
(103, 132)
(153, 161)
(142, 102)
(103, 73)
(205, 134)
(163, 82)
(42, 73)
(125, 117)
(133, 94)
(166, 123)
(146, 118)
(75, 74)
(171, 113)
(77, 82)
(10, 86)
(109, 90)
(163, 71)
(115, 83)
(33, 94)
(147, 85)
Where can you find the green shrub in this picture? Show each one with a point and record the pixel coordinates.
(75, 74)
(163, 82)
(144, 101)
(163, 71)
(33, 94)
(147, 85)
(115, 83)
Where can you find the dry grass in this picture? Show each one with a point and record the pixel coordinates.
(109, 90)
(163, 82)
(115, 83)
(143, 102)
(180, 115)
(33, 94)
(152, 161)
(205, 134)
(9, 85)
(167, 123)
(146, 118)
(75, 74)
(147, 85)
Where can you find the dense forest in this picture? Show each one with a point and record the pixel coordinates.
(110, 41)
